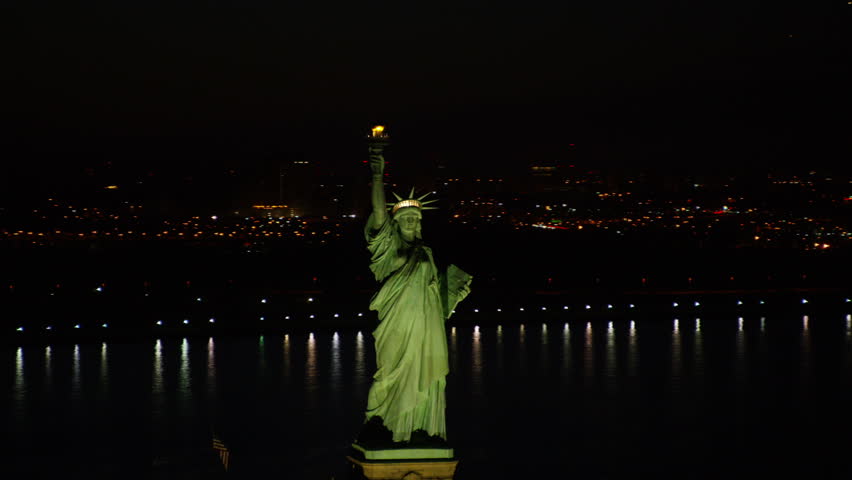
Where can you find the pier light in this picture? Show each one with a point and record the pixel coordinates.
(185, 322)
(475, 310)
(674, 304)
(20, 329)
(262, 318)
(212, 320)
(804, 300)
(499, 309)
(360, 314)
(632, 306)
(310, 299)
(521, 309)
(739, 302)
(565, 307)
(761, 302)
(286, 317)
(49, 327)
(310, 316)
(77, 326)
(104, 325)
(588, 307)
(697, 304)
(609, 306)
(543, 308)
(159, 322)
(198, 299)
(847, 300)
(262, 300)
(336, 315)
(99, 289)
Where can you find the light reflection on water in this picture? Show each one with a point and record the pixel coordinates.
(211, 368)
(593, 358)
(104, 368)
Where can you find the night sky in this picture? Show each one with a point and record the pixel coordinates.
(655, 84)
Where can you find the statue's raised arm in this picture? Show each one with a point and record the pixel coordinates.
(377, 167)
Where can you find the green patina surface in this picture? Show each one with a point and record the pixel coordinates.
(413, 303)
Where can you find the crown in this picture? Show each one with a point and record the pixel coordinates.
(418, 203)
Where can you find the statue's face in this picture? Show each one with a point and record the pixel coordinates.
(409, 224)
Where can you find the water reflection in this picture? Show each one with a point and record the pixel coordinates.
(104, 369)
(739, 366)
(699, 346)
(261, 357)
(476, 362)
(454, 358)
(157, 380)
(287, 365)
(211, 369)
(806, 345)
(184, 379)
(20, 382)
(499, 348)
(335, 362)
(566, 351)
(677, 351)
(522, 349)
(75, 374)
(588, 353)
(311, 375)
(360, 369)
(48, 371)
(545, 349)
(632, 351)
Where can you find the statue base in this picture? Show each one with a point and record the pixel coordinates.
(402, 463)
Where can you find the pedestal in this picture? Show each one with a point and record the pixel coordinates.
(403, 463)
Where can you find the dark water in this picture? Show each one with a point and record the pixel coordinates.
(675, 398)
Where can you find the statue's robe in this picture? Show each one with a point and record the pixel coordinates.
(411, 342)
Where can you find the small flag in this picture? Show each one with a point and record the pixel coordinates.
(224, 453)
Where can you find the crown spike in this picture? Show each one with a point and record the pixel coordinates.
(411, 195)
(424, 196)
(427, 202)
(398, 198)
(428, 208)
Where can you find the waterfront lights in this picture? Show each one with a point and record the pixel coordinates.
(48, 327)
(543, 308)
(160, 323)
(739, 302)
(588, 307)
(804, 301)
(310, 316)
(761, 302)
(212, 320)
(609, 306)
(674, 304)
(632, 306)
(475, 310)
(77, 326)
(521, 309)
(99, 289)
(565, 307)
(499, 309)
(336, 315)
(103, 325)
(310, 299)
(697, 304)
(264, 318)
(185, 322)
(20, 329)
(198, 299)
(360, 314)
(263, 300)
(286, 317)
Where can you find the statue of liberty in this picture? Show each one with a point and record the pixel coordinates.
(413, 303)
